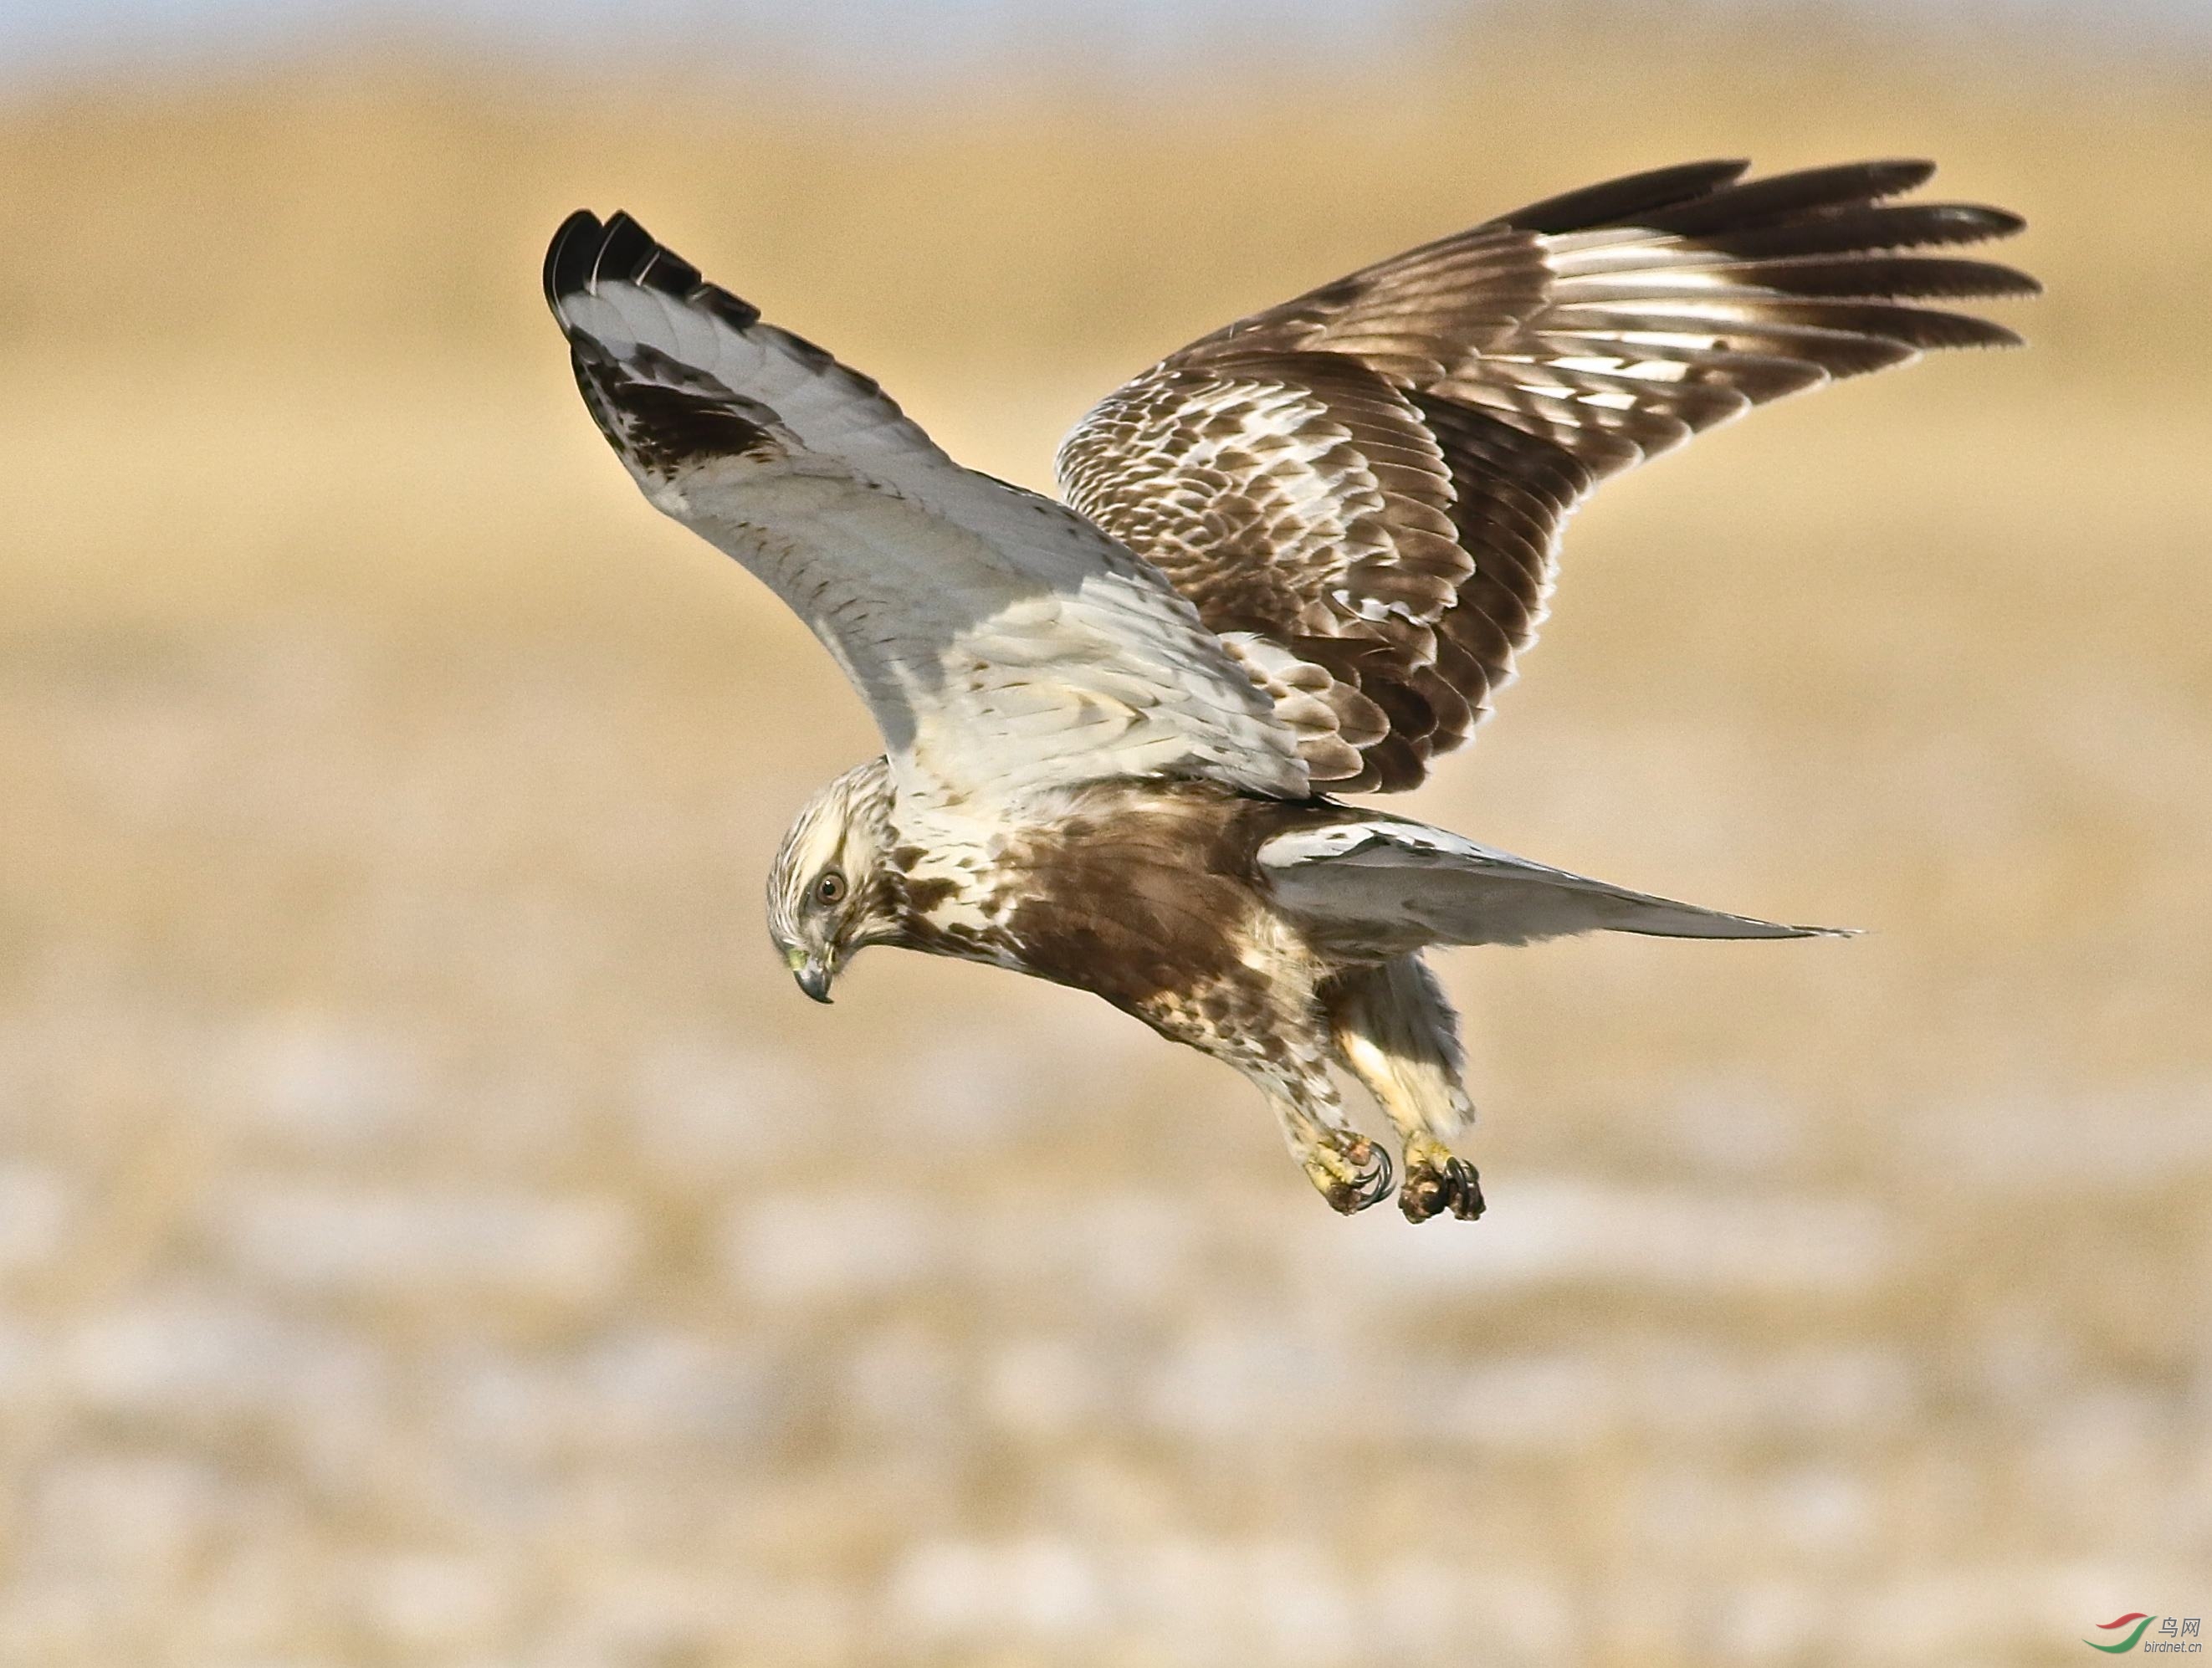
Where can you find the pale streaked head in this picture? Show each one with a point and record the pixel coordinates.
(830, 892)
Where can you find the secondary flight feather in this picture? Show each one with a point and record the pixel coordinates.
(1298, 558)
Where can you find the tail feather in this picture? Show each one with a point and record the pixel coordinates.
(1388, 885)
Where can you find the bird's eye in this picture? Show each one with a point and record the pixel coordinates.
(830, 889)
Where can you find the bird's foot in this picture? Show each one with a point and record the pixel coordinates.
(1436, 1181)
(1351, 1171)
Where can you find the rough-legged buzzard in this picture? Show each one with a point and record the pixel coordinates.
(1298, 558)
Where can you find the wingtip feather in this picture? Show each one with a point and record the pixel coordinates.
(585, 251)
(569, 257)
(1613, 201)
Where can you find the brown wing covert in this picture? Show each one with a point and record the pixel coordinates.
(1362, 489)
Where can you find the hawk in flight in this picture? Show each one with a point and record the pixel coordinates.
(1297, 559)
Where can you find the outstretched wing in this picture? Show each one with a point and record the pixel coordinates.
(1363, 488)
(1384, 886)
(1002, 642)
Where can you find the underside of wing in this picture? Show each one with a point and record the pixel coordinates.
(1003, 643)
(1363, 488)
(1384, 886)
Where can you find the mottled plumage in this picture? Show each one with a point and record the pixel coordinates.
(1363, 488)
(1300, 555)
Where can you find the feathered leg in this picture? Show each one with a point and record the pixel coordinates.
(1395, 1031)
(1351, 1170)
(1271, 1028)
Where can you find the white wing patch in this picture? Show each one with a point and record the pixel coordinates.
(1003, 643)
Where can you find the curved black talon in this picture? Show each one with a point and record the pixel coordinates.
(1369, 1184)
(1430, 1190)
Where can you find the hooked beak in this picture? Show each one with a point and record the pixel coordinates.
(812, 972)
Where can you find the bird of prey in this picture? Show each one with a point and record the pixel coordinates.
(1297, 559)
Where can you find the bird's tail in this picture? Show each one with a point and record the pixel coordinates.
(1397, 885)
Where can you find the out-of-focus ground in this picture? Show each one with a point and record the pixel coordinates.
(434, 1231)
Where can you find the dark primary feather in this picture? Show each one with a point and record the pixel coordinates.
(584, 251)
(1362, 488)
(1628, 200)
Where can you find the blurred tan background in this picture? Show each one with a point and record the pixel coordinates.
(434, 1231)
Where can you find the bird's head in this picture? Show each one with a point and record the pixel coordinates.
(829, 893)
